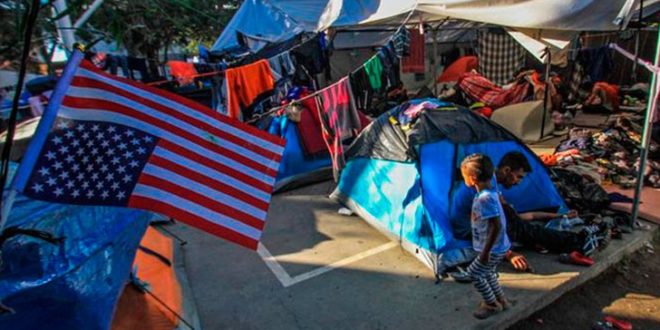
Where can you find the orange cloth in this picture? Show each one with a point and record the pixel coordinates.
(611, 93)
(245, 84)
(548, 159)
(183, 72)
(138, 310)
(459, 67)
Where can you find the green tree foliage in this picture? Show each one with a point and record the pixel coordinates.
(145, 27)
(142, 27)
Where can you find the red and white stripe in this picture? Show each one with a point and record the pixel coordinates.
(207, 170)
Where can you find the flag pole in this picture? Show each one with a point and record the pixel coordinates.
(646, 134)
(41, 133)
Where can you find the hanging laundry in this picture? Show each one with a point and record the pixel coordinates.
(577, 77)
(183, 72)
(500, 56)
(598, 62)
(390, 65)
(374, 69)
(139, 65)
(113, 62)
(313, 58)
(414, 63)
(401, 41)
(340, 120)
(245, 84)
(311, 132)
(282, 66)
(361, 88)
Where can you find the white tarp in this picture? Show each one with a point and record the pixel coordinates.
(282, 19)
(537, 41)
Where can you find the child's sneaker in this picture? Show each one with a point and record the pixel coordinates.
(576, 258)
(485, 310)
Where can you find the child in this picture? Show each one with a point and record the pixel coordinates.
(489, 237)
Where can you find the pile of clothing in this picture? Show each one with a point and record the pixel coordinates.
(609, 156)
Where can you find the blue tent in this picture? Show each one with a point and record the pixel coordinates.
(296, 168)
(403, 169)
(73, 281)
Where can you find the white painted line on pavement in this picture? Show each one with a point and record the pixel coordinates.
(274, 266)
(288, 281)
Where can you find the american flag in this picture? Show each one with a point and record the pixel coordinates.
(116, 142)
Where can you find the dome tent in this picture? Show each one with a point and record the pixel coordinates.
(400, 177)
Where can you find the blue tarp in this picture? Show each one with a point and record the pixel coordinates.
(74, 284)
(276, 21)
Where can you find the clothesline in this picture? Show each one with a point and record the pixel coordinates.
(200, 75)
(278, 108)
(632, 57)
(213, 73)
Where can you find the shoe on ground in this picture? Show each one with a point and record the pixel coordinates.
(506, 303)
(596, 237)
(461, 276)
(618, 324)
(576, 258)
(485, 310)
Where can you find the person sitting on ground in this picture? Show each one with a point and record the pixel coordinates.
(603, 98)
(521, 229)
(489, 237)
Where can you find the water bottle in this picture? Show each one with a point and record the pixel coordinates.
(565, 223)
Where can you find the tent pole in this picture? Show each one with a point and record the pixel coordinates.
(435, 60)
(639, 32)
(546, 92)
(651, 105)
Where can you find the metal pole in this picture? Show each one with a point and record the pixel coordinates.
(88, 13)
(63, 24)
(639, 32)
(546, 92)
(646, 133)
(435, 60)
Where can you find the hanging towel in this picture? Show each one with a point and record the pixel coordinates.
(339, 119)
(500, 56)
(415, 62)
(183, 72)
(311, 136)
(245, 84)
(374, 69)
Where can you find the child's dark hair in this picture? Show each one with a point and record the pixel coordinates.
(479, 165)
